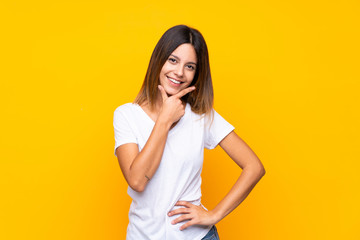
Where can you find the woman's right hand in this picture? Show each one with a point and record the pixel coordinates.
(172, 108)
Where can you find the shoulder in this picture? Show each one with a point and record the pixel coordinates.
(194, 115)
(206, 117)
(216, 118)
(125, 112)
(125, 108)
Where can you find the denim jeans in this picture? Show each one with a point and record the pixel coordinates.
(212, 234)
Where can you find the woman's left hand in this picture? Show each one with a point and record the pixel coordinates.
(196, 215)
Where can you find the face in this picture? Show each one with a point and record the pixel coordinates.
(179, 69)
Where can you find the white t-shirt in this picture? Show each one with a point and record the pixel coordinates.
(178, 176)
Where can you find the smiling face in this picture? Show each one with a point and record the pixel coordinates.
(179, 69)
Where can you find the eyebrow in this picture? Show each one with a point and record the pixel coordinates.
(179, 59)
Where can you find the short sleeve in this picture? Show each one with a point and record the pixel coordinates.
(122, 130)
(218, 129)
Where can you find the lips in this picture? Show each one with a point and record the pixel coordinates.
(174, 81)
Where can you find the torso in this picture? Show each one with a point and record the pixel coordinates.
(178, 176)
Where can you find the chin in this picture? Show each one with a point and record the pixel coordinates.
(170, 91)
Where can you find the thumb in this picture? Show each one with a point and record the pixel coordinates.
(163, 93)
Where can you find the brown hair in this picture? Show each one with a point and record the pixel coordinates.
(202, 98)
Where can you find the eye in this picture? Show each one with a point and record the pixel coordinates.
(172, 60)
(191, 67)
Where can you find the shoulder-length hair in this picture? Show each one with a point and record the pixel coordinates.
(202, 98)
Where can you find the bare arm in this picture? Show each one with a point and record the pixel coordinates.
(139, 167)
(253, 171)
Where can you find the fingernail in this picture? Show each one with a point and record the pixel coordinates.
(169, 214)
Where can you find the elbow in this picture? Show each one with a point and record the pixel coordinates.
(136, 182)
(260, 170)
(257, 171)
(137, 186)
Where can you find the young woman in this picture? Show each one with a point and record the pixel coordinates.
(160, 140)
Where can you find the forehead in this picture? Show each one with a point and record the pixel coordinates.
(186, 52)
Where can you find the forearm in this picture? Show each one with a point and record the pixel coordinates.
(245, 183)
(147, 161)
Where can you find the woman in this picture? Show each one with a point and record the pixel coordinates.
(160, 140)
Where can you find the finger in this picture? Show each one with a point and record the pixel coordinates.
(184, 92)
(163, 93)
(186, 225)
(179, 211)
(183, 203)
(181, 218)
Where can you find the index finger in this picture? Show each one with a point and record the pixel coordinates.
(184, 92)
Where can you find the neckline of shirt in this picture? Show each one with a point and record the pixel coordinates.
(153, 123)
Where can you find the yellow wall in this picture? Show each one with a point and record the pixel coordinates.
(285, 73)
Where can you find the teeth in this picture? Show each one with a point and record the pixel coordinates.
(174, 81)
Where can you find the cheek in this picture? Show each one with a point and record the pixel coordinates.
(166, 67)
(190, 76)
(162, 74)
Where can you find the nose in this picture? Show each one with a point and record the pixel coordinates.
(179, 71)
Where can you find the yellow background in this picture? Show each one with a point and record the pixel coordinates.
(285, 74)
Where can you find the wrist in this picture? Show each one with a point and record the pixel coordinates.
(163, 122)
(215, 216)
